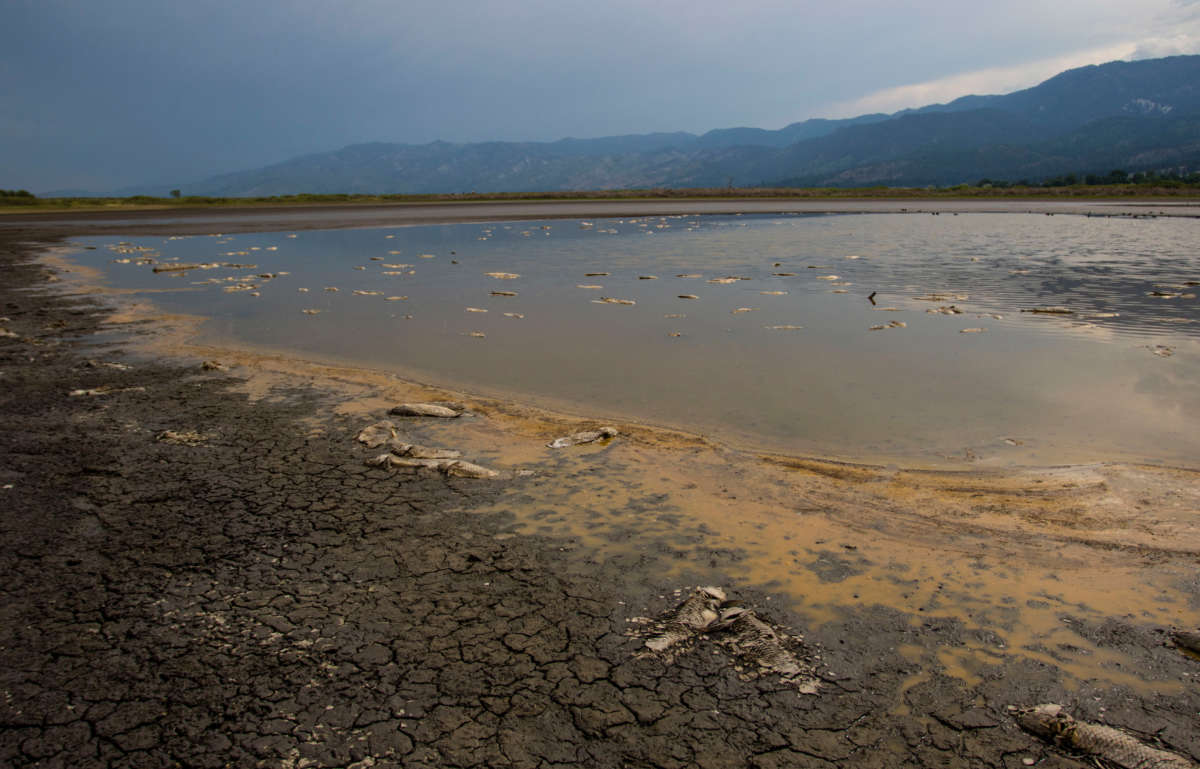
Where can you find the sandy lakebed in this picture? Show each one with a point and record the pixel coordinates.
(201, 569)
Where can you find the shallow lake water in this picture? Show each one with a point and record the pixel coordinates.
(886, 338)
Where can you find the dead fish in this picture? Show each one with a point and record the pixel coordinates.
(943, 298)
(402, 449)
(377, 258)
(759, 644)
(723, 281)
(503, 293)
(1187, 639)
(783, 328)
(176, 266)
(773, 293)
(972, 330)
(594, 274)
(395, 299)
(476, 309)
(784, 274)
(105, 390)
(688, 296)
(586, 436)
(647, 277)
(742, 309)
(311, 312)
(613, 300)
(426, 256)
(302, 290)
(839, 291)
(476, 334)
(1052, 723)
(945, 310)
(360, 292)
(675, 315)
(1105, 315)
(373, 436)
(331, 288)
(442, 410)
(854, 256)
(590, 286)
(827, 277)
(240, 287)
(212, 365)
(1161, 350)
(96, 363)
(181, 438)
(359, 267)
(502, 275)
(1051, 310)
(688, 275)
(516, 315)
(675, 334)
(688, 619)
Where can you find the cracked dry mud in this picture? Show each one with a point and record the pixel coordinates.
(262, 598)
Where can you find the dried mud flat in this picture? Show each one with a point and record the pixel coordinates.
(252, 594)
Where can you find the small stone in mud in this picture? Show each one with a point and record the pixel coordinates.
(212, 365)
(441, 410)
(586, 436)
(1161, 350)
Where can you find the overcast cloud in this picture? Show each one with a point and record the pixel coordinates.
(99, 94)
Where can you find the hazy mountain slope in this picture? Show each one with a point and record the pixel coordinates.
(1129, 114)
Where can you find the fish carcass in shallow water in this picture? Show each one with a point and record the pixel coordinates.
(587, 436)
(1051, 722)
(693, 616)
(442, 410)
(757, 643)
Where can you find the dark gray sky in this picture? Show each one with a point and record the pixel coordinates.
(99, 94)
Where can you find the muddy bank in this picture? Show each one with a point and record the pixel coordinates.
(255, 595)
(264, 218)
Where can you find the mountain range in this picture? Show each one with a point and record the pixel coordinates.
(1134, 116)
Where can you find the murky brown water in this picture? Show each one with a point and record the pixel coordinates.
(784, 358)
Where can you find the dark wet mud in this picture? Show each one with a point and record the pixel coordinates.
(199, 575)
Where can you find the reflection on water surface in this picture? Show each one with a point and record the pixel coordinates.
(880, 337)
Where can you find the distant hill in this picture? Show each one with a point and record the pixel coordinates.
(1135, 116)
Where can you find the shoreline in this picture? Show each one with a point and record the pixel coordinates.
(322, 612)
